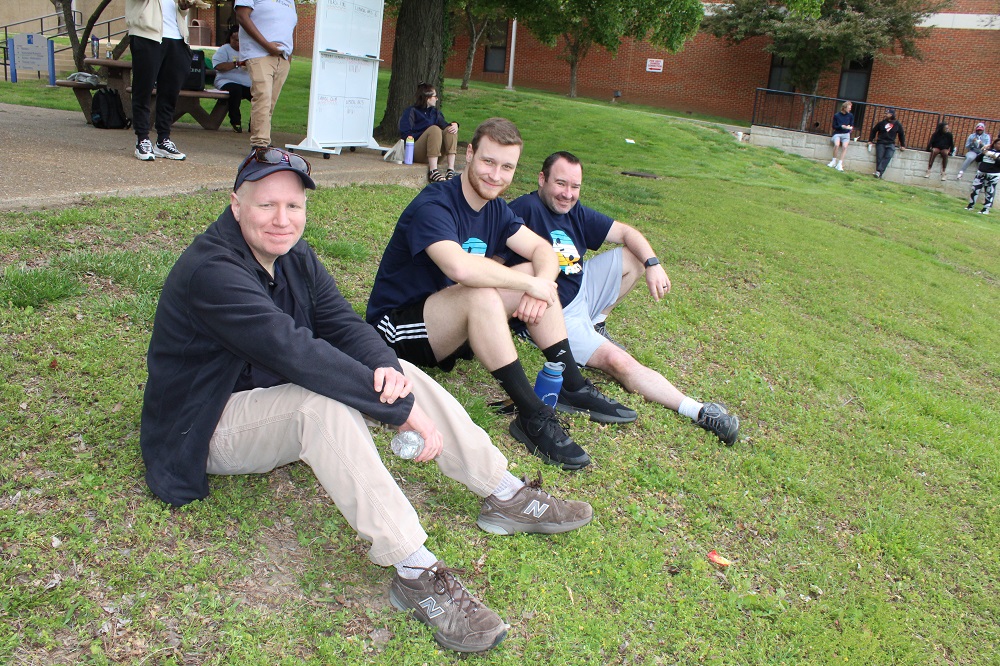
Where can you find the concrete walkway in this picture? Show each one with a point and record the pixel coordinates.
(53, 158)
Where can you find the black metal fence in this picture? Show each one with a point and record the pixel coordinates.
(813, 114)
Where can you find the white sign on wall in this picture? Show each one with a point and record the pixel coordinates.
(654, 64)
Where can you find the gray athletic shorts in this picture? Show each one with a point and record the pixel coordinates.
(602, 283)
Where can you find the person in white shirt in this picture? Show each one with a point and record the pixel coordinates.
(161, 58)
(266, 31)
(232, 76)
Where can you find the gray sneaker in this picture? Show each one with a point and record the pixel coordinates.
(588, 400)
(532, 510)
(717, 419)
(144, 150)
(438, 599)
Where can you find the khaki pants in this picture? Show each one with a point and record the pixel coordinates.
(267, 75)
(266, 428)
(430, 143)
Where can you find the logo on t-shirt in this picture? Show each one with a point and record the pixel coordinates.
(569, 256)
(475, 246)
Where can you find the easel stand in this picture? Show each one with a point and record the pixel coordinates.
(344, 77)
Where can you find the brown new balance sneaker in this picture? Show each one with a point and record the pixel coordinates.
(533, 510)
(440, 600)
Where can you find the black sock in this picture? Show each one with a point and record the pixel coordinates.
(514, 382)
(573, 380)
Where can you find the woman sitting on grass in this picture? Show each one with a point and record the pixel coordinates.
(426, 124)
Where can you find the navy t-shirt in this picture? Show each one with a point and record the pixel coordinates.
(440, 212)
(572, 234)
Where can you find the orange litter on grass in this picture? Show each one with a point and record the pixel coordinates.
(715, 558)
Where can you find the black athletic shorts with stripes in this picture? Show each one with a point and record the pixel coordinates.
(404, 330)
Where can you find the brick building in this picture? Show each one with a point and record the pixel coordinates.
(709, 77)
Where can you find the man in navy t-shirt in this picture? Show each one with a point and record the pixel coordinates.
(439, 295)
(588, 290)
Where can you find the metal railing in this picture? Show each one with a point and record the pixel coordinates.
(103, 30)
(813, 114)
(58, 29)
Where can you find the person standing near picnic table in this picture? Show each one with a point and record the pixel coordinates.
(843, 123)
(942, 142)
(267, 28)
(987, 177)
(883, 136)
(161, 58)
(974, 145)
(232, 76)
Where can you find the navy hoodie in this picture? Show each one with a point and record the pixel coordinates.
(215, 315)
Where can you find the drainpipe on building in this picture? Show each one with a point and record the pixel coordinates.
(513, 45)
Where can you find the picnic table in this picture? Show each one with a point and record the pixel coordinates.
(120, 79)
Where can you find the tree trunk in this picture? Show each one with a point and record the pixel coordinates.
(80, 52)
(74, 39)
(417, 55)
(474, 37)
(808, 104)
(575, 51)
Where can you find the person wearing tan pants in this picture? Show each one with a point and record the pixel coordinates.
(266, 40)
(433, 136)
(257, 361)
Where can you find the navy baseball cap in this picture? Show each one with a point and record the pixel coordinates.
(262, 162)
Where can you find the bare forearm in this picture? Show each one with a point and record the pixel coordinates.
(637, 244)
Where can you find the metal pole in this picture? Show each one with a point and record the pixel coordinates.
(513, 46)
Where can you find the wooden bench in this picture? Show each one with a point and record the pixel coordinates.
(189, 101)
(84, 95)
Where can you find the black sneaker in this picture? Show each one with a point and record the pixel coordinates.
(533, 510)
(438, 599)
(451, 173)
(715, 418)
(970, 206)
(603, 332)
(144, 151)
(600, 407)
(545, 437)
(985, 211)
(167, 149)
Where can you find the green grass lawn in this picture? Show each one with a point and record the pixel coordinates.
(851, 323)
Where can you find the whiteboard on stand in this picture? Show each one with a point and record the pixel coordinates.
(342, 90)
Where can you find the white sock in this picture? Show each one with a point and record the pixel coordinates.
(414, 565)
(690, 408)
(509, 485)
(840, 162)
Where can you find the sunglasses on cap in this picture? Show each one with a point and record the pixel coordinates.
(269, 155)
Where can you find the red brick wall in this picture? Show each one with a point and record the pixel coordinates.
(709, 77)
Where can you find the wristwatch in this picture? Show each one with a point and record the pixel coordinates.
(652, 261)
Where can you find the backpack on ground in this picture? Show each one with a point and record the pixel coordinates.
(107, 111)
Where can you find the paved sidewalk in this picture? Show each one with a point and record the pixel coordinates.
(53, 158)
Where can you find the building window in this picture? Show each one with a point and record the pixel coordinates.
(780, 73)
(495, 41)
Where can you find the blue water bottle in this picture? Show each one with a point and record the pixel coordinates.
(408, 151)
(549, 382)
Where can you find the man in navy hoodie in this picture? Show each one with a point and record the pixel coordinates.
(257, 361)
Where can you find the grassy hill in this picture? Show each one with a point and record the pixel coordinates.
(851, 323)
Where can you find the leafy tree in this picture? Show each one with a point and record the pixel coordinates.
(417, 55)
(480, 16)
(816, 37)
(583, 24)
